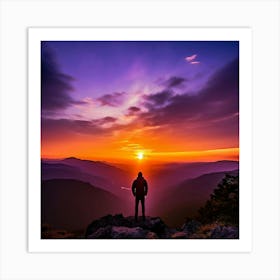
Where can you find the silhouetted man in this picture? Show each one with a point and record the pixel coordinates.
(140, 190)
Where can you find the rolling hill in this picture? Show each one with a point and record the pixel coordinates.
(72, 204)
(183, 200)
(174, 173)
(99, 174)
(65, 171)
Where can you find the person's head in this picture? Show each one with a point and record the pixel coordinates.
(140, 174)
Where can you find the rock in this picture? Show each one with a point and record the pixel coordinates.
(117, 220)
(191, 226)
(198, 236)
(109, 220)
(168, 233)
(224, 232)
(101, 233)
(120, 226)
(155, 225)
(179, 235)
(151, 235)
(118, 232)
(127, 233)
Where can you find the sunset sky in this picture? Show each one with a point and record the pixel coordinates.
(141, 100)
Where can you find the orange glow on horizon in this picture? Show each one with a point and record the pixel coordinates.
(141, 145)
(189, 156)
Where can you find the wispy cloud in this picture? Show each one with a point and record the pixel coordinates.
(216, 104)
(175, 81)
(211, 112)
(112, 99)
(56, 86)
(192, 59)
(158, 99)
(133, 110)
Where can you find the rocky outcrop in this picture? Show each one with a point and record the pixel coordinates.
(191, 226)
(120, 227)
(224, 232)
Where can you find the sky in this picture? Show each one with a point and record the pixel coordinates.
(140, 100)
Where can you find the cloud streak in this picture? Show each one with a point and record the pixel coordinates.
(217, 102)
(175, 81)
(56, 87)
(113, 99)
(195, 62)
(133, 110)
(190, 58)
(212, 110)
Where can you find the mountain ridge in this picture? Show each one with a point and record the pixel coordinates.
(71, 204)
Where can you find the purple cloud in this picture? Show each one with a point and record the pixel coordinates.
(113, 99)
(133, 111)
(212, 110)
(195, 62)
(158, 99)
(56, 87)
(106, 120)
(63, 128)
(175, 82)
(218, 100)
(190, 58)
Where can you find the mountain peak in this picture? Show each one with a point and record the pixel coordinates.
(68, 158)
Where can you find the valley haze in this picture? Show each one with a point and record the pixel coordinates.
(76, 191)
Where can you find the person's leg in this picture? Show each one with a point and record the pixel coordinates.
(143, 207)
(136, 207)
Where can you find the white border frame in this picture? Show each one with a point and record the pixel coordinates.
(262, 16)
(243, 35)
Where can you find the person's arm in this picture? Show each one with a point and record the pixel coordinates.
(133, 188)
(146, 187)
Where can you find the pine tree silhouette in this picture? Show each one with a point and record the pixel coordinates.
(223, 205)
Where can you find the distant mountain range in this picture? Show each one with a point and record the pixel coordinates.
(72, 204)
(75, 191)
(174, 173)
(97, 173)
(183, 200)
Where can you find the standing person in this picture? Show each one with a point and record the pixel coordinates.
(140, 190)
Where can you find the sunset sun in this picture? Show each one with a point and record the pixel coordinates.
(140, 155)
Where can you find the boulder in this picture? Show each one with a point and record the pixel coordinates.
(224, 232)
(127, 233)
(191, 226)
(179, 235)
(101, 233)
(151, 235)
(118, 226)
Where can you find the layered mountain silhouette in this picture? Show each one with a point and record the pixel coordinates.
(166, 175)
(97, 173)
(65, 171)
(75, 191)
(187, 197)
(72, 204)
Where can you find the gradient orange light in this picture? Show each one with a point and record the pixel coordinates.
(140, 155)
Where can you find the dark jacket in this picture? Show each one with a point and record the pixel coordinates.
(140, 187)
